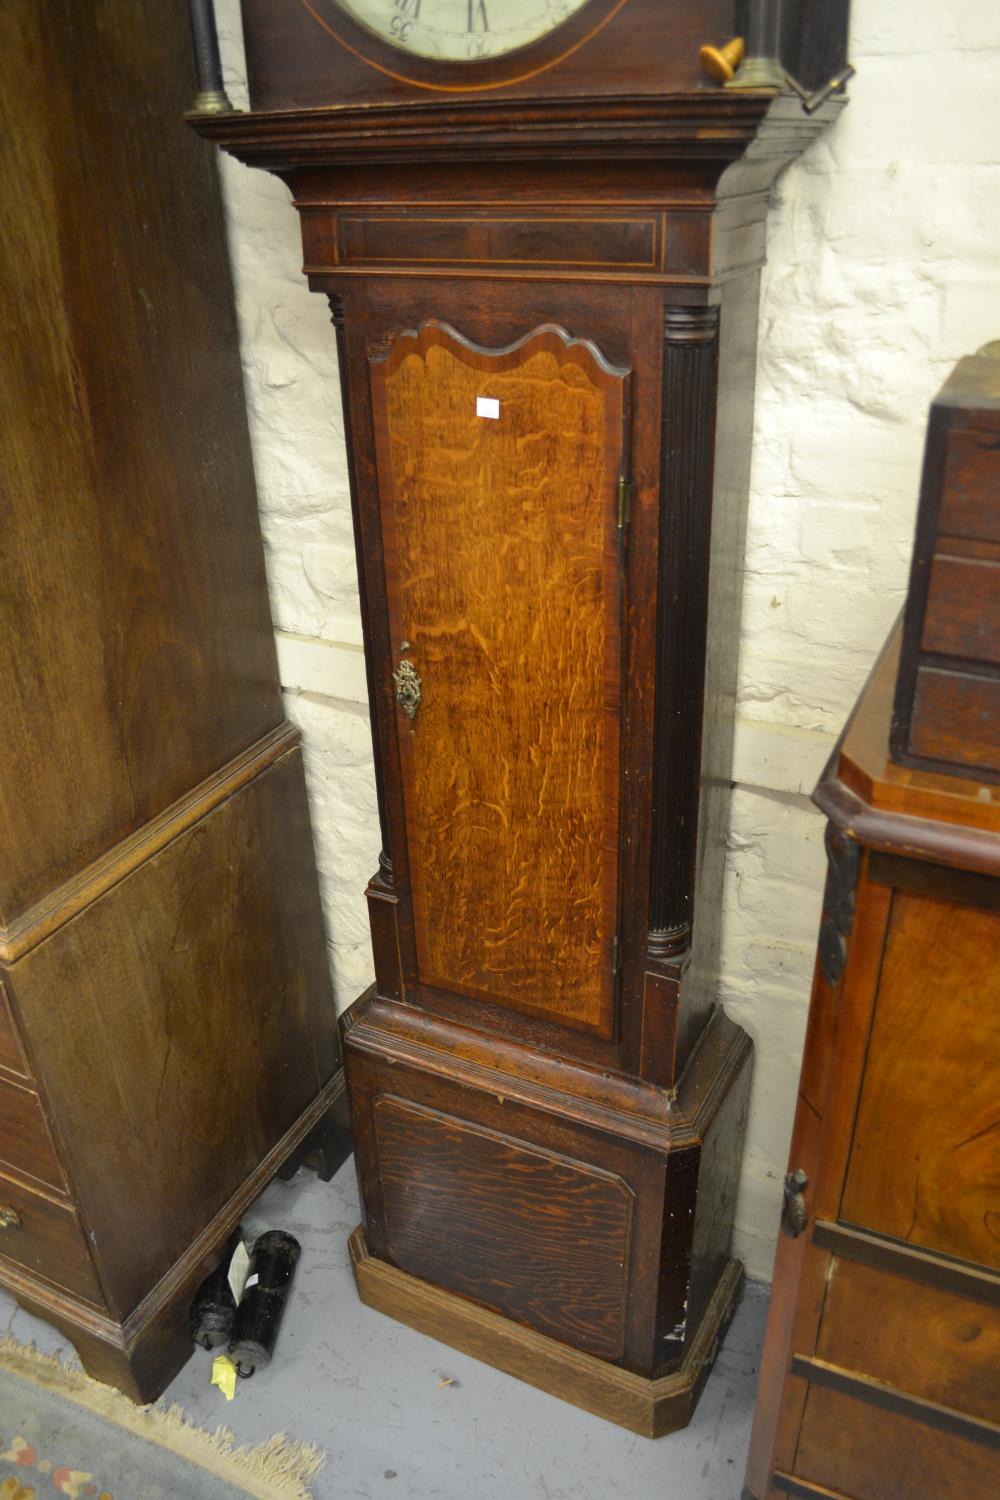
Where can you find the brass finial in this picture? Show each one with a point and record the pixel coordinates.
(721, 63)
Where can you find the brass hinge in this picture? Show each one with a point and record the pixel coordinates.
(624, 501)
(616, 955)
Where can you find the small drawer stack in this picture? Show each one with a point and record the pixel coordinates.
(947, 709)
(39, 1227)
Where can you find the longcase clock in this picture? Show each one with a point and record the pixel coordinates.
(540, 226)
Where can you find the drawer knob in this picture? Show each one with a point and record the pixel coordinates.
(793, 1213)
(9, 1218)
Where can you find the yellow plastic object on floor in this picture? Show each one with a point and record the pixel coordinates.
(224, 1375)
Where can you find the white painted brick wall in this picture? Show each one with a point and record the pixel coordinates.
(884, 268)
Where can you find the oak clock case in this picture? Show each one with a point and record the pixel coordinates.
(543, 271)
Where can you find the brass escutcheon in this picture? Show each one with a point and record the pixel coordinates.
(408, 688)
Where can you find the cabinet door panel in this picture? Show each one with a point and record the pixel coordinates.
(497, 483)
(924, 1163)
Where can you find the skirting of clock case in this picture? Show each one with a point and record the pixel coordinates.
(651, 1408)
(582, 1213)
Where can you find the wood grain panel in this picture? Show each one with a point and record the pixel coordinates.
(25, 1144)
(133, 598)
(844, 1444)
(534, 1235)
(925, 1158)
(932, 1343)
(504, 575)
(624, 243)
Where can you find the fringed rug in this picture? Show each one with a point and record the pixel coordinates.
(62, 1433)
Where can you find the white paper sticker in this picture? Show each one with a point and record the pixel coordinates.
(488, 406)
(238, 1268)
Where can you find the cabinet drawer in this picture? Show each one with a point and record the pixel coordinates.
(963, 608)
(11, 1057)
(857, 1449)
(968, 501)
(925, 1340)
(956, 717)
(45, 1238)
(25, 1144)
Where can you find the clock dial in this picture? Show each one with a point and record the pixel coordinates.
(461, 30)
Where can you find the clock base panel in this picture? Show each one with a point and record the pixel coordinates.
(593, 1212)
(651, 1408)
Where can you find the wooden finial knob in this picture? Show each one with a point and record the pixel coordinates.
(721, 63)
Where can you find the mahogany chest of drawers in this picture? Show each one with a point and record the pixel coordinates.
(881, 1371)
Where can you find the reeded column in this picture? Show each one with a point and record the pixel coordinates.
(691, 350)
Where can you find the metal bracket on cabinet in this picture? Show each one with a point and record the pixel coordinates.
(794, 1216)
(844, 857)
(812, 101)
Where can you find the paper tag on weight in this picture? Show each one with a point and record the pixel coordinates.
(239, 1268)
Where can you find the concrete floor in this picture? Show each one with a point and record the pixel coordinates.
(371, 1393)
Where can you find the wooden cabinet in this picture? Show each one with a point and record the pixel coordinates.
(881, 1368)
(167, 1039)
(543, 266)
